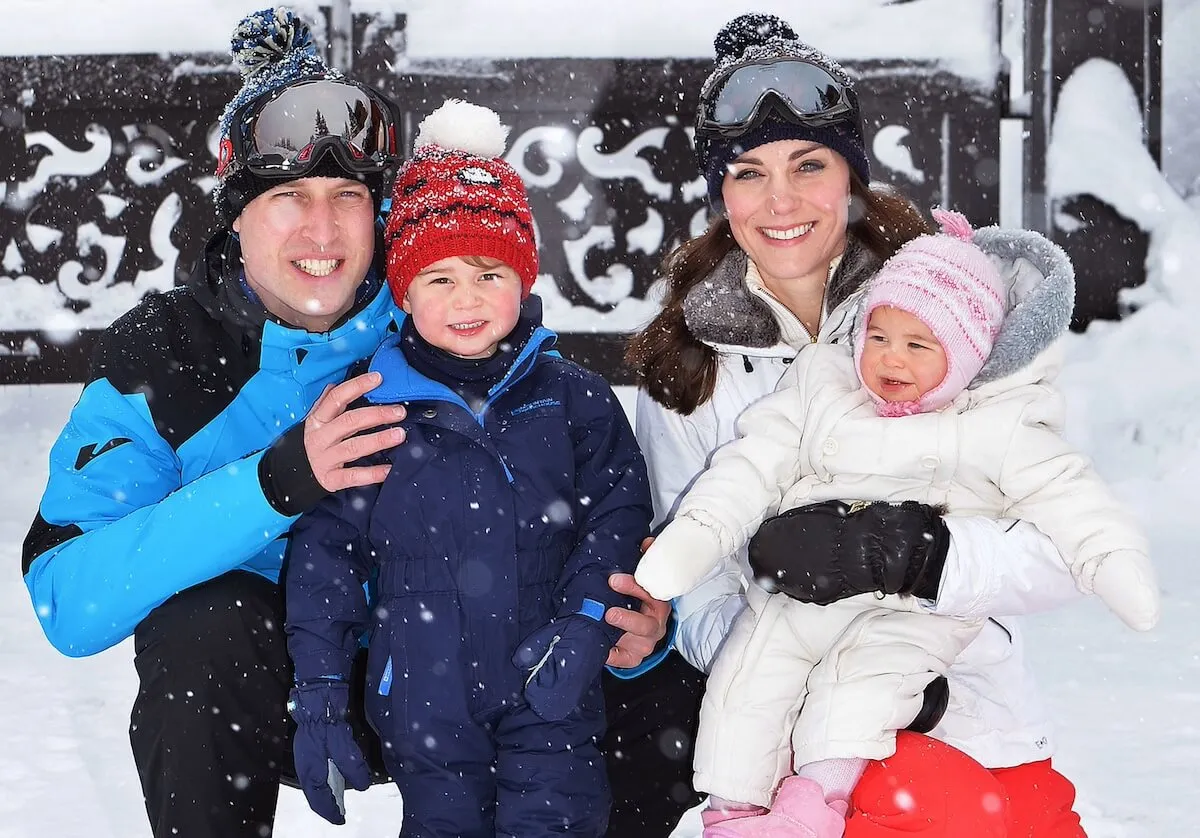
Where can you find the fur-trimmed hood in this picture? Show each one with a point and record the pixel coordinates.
(1041, 297)
(721, 311)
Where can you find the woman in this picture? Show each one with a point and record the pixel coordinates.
(779, 139)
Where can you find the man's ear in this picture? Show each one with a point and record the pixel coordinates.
(236, 226)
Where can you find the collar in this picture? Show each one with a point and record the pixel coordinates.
(722, 311)
(791, 330)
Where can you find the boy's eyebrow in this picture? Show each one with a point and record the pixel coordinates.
(431, 270)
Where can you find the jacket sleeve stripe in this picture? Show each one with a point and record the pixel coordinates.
(127, 510)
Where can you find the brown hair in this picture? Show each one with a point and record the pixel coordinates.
(484, 262)
(677, 369)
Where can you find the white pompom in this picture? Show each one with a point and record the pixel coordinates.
(465, 127)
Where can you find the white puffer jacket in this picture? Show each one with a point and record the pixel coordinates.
(997, 450)
(995, 569)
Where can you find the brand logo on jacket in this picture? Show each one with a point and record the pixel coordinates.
(535, 405)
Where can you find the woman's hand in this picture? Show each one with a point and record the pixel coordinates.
(644, 628)
(829, 551)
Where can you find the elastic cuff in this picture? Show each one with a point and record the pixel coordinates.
(929, 580)
(654, 658)
(286, 475)
(326, 665)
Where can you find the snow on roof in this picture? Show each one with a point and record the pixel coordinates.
(959, 35)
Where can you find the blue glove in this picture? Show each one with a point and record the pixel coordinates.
(324, 747)
(563, 658)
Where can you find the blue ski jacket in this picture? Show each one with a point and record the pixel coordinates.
(155, 482)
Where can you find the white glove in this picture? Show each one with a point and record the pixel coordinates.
(1125, 581)
(680, 557)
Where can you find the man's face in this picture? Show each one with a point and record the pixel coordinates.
(306, 247)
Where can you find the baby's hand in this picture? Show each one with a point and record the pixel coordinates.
(680, 557)
(1125, 581)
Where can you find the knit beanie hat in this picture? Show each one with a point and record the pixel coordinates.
(272, 49)
(753, 38)
(457, 196)
(954, 288)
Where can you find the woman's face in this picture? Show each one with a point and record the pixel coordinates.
(788, 203)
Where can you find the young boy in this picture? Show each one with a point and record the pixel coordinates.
(903, 414)
(488, 547)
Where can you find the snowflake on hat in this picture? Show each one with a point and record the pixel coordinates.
(457, 196)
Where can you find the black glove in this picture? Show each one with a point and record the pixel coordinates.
(937, 700)
(829, 551)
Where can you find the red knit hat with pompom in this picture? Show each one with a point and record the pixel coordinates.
(457, 196)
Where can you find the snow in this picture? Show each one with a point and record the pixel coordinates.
(956, 34)
(1126, 704)
(1181, 94)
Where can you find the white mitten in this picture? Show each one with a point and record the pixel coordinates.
(681, 556)
(1125, 581)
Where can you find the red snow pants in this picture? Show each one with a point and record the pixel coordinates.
(931, 790)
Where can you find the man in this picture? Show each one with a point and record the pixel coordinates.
(215, 414)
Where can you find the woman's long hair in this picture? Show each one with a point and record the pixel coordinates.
(678, 370)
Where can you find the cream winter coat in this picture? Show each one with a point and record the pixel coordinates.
(995, 451)
(994, 568)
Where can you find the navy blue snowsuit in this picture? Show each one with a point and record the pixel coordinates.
(490, 525)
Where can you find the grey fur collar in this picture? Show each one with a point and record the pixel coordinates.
(721, 309)
(1041, 297)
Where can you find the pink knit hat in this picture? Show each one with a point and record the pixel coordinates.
(951, 286)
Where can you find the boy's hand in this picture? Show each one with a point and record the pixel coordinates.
(644, 628)
(331, 434)
(563, 660)
(324, 749)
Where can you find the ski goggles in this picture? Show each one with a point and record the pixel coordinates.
(287, 132)
(798, 91)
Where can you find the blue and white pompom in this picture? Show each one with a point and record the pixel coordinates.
(272, 48)
(267, 37)
(462, 126)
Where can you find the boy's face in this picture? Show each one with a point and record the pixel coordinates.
(901, 359)
(464, 309)
(306, 247)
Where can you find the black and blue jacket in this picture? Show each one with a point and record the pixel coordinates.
(161, 479)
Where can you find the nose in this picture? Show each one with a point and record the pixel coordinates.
(784, 198)
(466, 295)
(320, 223)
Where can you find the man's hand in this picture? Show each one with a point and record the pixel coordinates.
(330, 434)
(643, 628)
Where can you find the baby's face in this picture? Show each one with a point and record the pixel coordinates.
(901, 359)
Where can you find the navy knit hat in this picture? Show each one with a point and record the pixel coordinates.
(273, 49)
(754, 38)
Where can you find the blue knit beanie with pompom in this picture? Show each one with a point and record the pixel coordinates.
(273, 49)
(753, 38)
